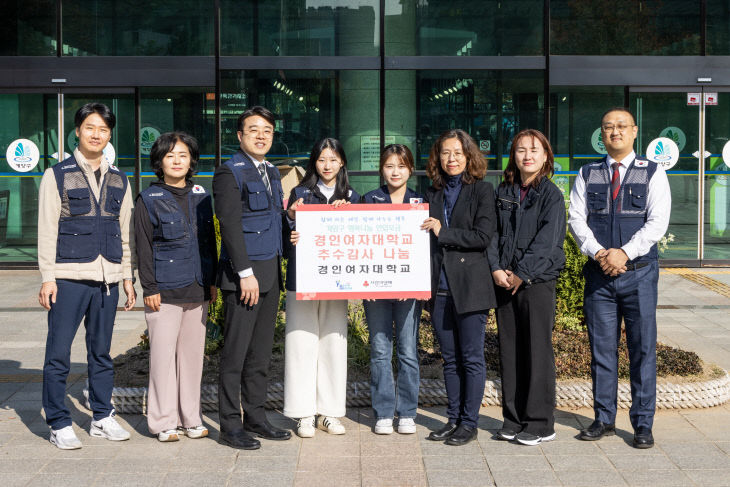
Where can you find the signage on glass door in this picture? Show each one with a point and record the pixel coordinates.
(710, 98)
(726, 154)
(677, 135)
(22, 155)
(664, 151)
(597, 141)
(693, 99)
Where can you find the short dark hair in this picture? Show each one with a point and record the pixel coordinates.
(476, 164)
(262, 112)
(512, 172)
(100, 109)
(402, 152)
(165, 143)
(619, 109)
(311, 177)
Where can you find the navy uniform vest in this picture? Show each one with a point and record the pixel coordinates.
(614, 222)
(178, 256)
(381, 195)
(261, 215)
(88, 228)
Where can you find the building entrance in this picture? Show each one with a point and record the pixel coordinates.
(697, 122)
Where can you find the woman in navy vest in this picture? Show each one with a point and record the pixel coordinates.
(315, 349)
(396, 166)
(462, 223)
(525, 263)
(176, 254)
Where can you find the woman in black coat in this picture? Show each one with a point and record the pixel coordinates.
(462, 223)
(525, 262)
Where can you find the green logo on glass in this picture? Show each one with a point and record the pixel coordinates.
(147, 137)
(676, 135)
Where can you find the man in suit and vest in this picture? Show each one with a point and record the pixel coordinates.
(619, 209)
(249, 205)
(84, 250)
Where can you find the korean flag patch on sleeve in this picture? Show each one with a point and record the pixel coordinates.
(198, 189)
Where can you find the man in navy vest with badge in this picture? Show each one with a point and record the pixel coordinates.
(84, 249)
(249, 205)
(619, 210)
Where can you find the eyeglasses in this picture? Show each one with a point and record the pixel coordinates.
(254, 132)
(608, 127)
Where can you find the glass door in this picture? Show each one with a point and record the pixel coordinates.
(28, 140)
(716, 218)
(662, 113)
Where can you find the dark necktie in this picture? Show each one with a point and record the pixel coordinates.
(262, 171)
(615, 180)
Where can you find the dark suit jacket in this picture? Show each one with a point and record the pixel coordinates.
(461, 247)
(228, 210)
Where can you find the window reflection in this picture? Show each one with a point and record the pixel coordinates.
(28, 28)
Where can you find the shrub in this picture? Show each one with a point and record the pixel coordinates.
(569, 287)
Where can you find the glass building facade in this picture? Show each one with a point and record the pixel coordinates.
(370, 73)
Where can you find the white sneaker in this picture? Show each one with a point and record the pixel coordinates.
(406, 426)
(65, 439)
(196, 432)
(305, 427)
(384, 426)
(331, 425)
(168, 435)
(108, 428)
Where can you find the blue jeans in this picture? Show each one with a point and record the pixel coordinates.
(631, 296)
(461, 338)
(380, 315)
(77, 300)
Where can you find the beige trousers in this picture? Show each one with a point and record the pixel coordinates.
(315, 353)
(177, 341)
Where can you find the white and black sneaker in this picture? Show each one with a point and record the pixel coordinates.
(65, 438)
(506, 434)
(525, 438)
(331, 425)
(305, 427)
(108, 428)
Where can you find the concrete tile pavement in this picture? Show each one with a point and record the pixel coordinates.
(693, 446)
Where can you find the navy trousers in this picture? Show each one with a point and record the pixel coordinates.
(631, 296)
(461, 338)
(77, 300)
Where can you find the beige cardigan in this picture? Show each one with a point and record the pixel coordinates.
(49, 211)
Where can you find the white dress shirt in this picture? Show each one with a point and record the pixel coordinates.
(658, 208)
(249, 271)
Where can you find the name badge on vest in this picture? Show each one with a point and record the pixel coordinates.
(416, 201)
(380, 198)
(198, 189)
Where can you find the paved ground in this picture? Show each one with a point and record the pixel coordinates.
(693, 446)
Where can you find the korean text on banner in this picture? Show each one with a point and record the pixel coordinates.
(364, 251)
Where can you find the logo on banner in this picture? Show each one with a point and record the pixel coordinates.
(677, 135)
(22, 155)
(147, 137)
(663, 151)
(597, 141)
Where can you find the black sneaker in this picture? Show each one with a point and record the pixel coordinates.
(506, 434)
(525, 438)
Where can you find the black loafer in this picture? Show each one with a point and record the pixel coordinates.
(463, 435)
(267, 431)
(238, 439)
(441, 434)
(597, 430)
(643, 438)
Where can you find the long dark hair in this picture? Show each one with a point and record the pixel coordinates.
(476, 164)
(342, 184)
(512, 172)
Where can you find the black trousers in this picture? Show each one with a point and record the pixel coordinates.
(525, 323)
(244, 363)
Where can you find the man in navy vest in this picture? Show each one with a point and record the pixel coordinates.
(619, 209)
(249, 205)
(84, 249)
